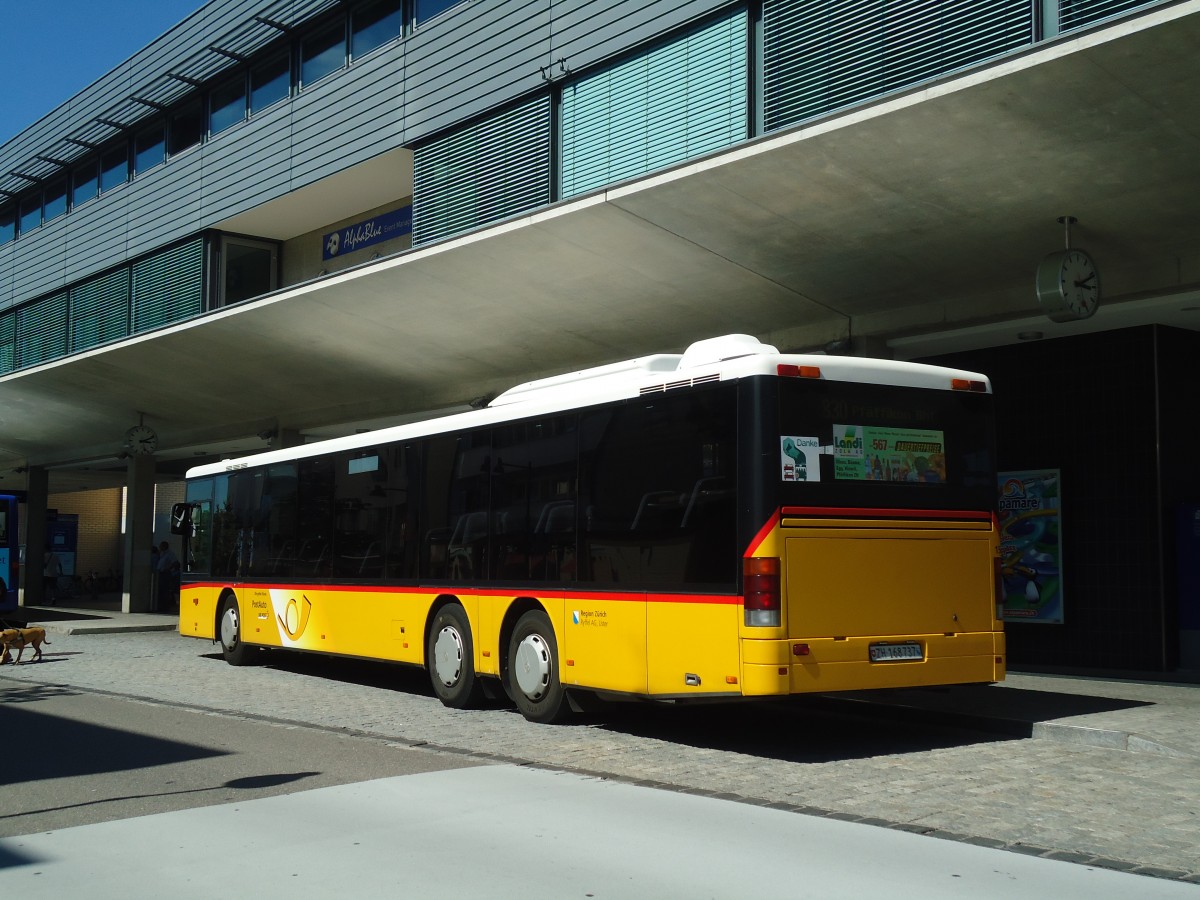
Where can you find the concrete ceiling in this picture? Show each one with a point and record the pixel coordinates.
(915, 222)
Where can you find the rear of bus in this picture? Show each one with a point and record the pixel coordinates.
(877, 564)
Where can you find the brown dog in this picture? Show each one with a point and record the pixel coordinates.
(20, 638)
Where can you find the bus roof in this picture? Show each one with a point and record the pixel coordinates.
(725, 358)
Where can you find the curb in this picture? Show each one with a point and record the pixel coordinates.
(1079, 735)
(77, 627)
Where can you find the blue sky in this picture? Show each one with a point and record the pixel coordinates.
(55, 48)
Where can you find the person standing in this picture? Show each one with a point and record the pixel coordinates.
(168, 578)
(51, 569)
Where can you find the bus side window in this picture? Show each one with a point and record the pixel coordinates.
(657, 477)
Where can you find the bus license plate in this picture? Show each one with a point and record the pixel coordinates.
(896, 652)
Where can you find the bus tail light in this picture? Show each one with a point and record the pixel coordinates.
(761, 591)
(789, 370)
(966, 384)
(999, 570)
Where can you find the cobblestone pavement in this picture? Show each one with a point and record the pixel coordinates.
(1136, 809)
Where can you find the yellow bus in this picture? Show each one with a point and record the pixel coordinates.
(724, 523)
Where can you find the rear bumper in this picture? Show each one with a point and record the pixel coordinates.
(774, 668)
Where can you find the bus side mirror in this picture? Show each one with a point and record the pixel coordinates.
(181, 519)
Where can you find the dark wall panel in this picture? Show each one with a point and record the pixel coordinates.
(1066, 404)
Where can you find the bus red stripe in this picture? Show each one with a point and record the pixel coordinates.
(770, 526)
(620, 597)
(867, 513)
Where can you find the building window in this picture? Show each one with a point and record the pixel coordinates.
(8, 224)
(55, 201)
(85, 183)
(249, 268)
(148, 149)
(322, 53)
(455, 185)
(629, 118)
(114, 168)
(187, 127)
(227, 105)
(373, 26)
(31, 213)
(270, 83)
(427, 9)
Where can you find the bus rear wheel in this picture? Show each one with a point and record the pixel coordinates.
(450, 656)
(229, 632)
(532, 674)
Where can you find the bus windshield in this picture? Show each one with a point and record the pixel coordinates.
(853, 445)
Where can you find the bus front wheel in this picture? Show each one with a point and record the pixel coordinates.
(532, 674)
(451, 659)
(235, 652)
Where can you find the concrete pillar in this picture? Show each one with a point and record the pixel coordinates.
(288, 437)
(874, 347)
(136, 593)
(37, 498)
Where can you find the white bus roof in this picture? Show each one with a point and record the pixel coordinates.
(725, 358)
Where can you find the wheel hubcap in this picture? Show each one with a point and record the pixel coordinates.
(448, 656)
(532, 666)
(229, 628)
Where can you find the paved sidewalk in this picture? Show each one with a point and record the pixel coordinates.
(1116, 713)
(1101, 772)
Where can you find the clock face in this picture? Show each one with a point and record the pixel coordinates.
(142, 439)
(1068, 285)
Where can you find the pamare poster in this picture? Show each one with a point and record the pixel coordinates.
(1031, 546)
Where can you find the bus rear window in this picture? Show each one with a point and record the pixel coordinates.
(874, 444)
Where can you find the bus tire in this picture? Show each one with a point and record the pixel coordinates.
(229, 632)
(450, 657)
(532, 673)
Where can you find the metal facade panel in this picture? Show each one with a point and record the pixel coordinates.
(247, 165)
(586, 32)
(166, 204)
(347, 118)
(38, 262)
(475, 57)
(183, 50)
(97, 236)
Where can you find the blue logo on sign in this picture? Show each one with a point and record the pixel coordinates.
(363, 234)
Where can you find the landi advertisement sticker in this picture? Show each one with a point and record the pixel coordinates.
(800, 457)
(864, 453)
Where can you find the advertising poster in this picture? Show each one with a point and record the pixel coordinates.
(800, 458)
(1031, 546)
(866, 453)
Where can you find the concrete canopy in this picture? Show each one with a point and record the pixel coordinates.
(917, 220)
